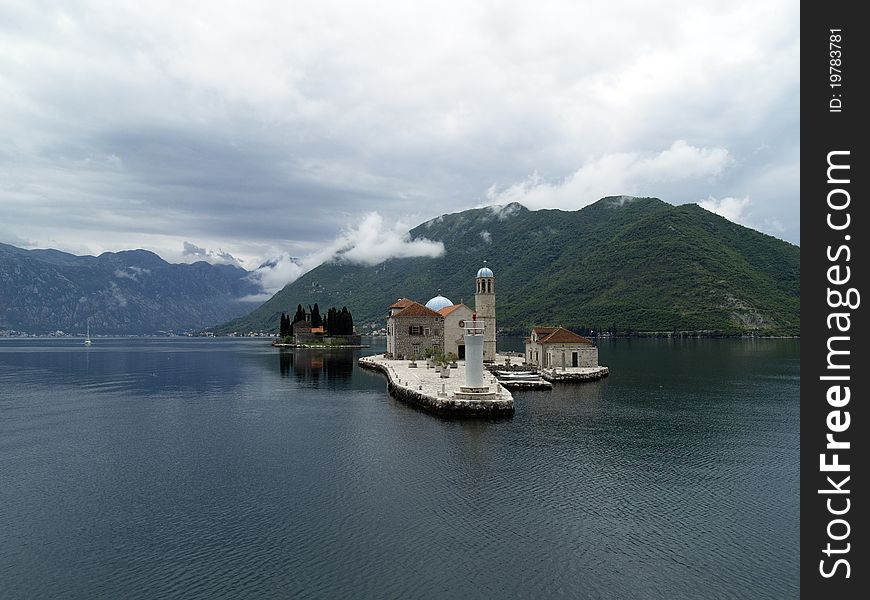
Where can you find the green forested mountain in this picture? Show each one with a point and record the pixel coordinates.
(622, 264)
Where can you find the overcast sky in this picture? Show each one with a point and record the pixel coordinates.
(254, 130)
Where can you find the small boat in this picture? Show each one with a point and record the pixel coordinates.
(88, 337)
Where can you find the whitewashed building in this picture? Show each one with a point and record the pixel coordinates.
(455, 317)
(556, 348)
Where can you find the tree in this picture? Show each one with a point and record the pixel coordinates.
(284, 328)
(300, 314)
(332, 325)
(316, 321)
(346, 320)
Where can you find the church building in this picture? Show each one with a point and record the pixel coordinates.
(556, 347)
(455, 317)
(413, 327)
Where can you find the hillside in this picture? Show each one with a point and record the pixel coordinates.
(131, 292)
(622, 264)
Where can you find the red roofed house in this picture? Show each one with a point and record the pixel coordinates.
(412, 328)
(556, 347)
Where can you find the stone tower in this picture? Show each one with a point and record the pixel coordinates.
(484, 306)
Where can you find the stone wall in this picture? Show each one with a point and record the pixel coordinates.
(406, 345)
(575, 375)
(550, 355)
(559, 355)
(444, 407)
(328, 340)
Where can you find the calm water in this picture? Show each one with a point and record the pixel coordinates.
(212, 468)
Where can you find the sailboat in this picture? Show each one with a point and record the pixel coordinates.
(88, 338)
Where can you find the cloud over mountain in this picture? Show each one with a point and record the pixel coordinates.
(264, 130)
(371, 242)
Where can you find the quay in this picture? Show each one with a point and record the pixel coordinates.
(548, 376)
(444, 396)
(319, 346)
(573, 374)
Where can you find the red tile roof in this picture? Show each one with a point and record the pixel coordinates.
(416, 309)
(559, 335)
(542, 331)
(449, 309)
(402, 303)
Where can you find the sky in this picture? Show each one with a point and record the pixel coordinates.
(289, 133)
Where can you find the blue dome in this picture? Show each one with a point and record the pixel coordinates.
(438, 302)
(485, 272)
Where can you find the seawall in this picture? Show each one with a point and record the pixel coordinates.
(422, 387)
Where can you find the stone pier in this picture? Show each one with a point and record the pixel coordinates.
(572, 374)
(427, 389)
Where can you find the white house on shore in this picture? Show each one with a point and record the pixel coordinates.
(556, 347)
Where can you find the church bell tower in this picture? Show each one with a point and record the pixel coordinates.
(484, 306)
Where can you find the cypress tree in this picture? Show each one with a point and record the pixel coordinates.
(300, 314)
(316, 321)
(346, 321)
(331, 327)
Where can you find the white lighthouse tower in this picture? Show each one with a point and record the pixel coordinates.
(484, 306)
(474, 336)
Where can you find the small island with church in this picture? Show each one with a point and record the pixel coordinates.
(442, 357)
(308, 329)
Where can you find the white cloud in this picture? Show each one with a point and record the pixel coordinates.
(487, 236)
(371, 242)
(733, 209)
(117, 295)
(503, 212)
(275, 273)
(131, 125)
(7, 237)
(435, 221)
(743, 212)
(194, 252)
(616, 174)
(132, 272)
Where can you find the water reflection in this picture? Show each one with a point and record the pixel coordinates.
(185, 468)
(314, 365)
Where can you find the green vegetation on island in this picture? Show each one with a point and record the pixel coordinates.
(309, 327)
(621, 265)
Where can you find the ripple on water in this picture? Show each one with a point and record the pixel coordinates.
(226, 470)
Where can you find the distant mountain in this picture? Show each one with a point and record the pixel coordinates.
(622, 265)
(130, 292)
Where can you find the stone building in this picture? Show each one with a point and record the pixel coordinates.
(412, 328)
(404, 336)
(556, 348)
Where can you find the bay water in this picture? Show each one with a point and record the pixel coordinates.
(225, 468)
